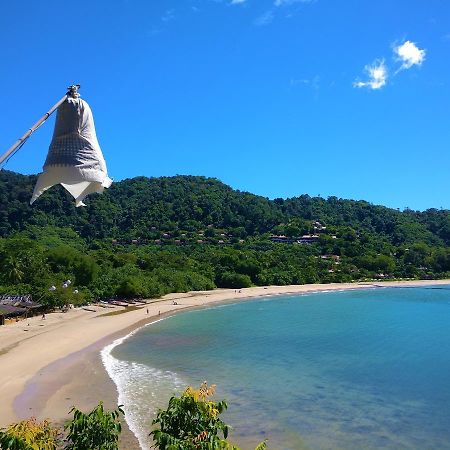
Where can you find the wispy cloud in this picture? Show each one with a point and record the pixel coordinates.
(265, 18)
(311, 82)
(168, 15)
(377, 73)
(290, 2)
(237, 2)
(409, 55)
(301, 81)
(268, 17)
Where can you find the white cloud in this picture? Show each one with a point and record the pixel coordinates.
(378, 75)
(409, 55)
(237, 2)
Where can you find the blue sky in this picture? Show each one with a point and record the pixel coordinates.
(277, 97)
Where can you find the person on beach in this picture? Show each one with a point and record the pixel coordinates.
(147, 310)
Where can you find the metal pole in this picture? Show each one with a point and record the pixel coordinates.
(72, 92)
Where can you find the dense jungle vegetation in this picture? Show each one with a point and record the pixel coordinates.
(149, 236)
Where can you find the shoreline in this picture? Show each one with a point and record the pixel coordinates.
(49, 366)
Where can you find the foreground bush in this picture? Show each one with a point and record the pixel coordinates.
(97, 430)
(30, 435)
(191, 422)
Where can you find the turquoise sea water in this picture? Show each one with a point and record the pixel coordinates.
(338, 370)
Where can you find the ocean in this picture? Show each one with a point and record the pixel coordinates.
(360, 369)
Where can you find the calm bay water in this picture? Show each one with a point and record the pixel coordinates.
(337, 370)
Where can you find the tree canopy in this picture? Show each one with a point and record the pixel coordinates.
(149, 236)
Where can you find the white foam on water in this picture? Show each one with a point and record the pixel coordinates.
(142, 390)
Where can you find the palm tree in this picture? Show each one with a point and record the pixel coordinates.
(14, 272)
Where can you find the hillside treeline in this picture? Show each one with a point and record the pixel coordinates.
(149, 236)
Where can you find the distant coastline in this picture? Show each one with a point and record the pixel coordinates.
(49, 366)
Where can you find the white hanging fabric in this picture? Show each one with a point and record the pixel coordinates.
(74, 158)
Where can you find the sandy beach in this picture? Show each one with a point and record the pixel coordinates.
(47, 366)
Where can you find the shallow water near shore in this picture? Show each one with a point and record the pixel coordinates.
(354, 369)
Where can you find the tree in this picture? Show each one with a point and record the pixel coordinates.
(233, 280)
(192, 422)
(97, 430)
(53, 241)
(14, 270)
(72, 262)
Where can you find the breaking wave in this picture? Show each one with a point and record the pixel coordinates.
(141, 389)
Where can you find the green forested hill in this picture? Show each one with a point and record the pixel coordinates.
(148, 236)
(134, 208)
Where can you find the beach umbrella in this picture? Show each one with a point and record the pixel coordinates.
(74, 158)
